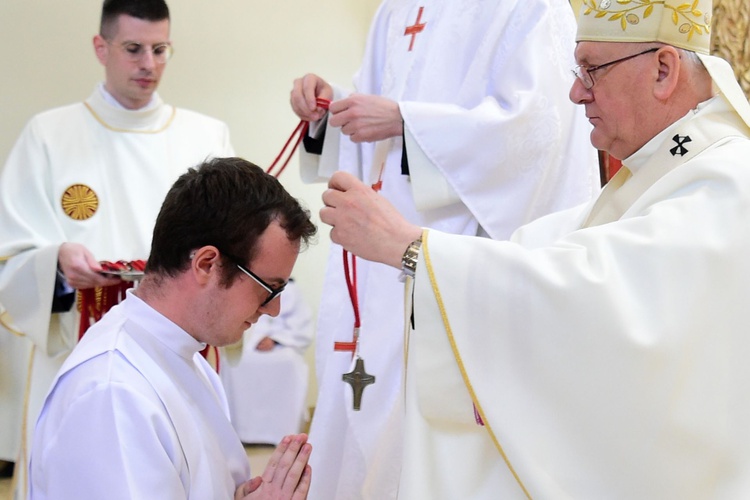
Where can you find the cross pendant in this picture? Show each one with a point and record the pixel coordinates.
(358, 379)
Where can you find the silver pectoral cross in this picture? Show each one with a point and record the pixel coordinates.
(358, 379)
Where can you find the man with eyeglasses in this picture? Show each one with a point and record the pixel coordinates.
(83, 184)
(604, 348)
(136, 411)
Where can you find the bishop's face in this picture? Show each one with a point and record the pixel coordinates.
(618, 104)
(132, 80)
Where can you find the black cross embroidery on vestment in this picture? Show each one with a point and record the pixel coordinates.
(680, 140)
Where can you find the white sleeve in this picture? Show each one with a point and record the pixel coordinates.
(30, 242)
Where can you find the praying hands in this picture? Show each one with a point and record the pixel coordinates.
(287, 475)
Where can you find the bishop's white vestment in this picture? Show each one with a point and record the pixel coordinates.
(605, 347)
(136, 412)
(492, 142)
(89, 173)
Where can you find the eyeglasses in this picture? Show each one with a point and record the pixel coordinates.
(272, 292)
(585, 74)
(135, 51)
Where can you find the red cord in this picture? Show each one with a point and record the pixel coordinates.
(351, 285)
(297, 135)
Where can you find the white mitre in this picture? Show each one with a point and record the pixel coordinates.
(678, 23)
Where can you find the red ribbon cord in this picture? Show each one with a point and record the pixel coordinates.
(297, 135)
(124, 265)
(350, 272)
(351, 285)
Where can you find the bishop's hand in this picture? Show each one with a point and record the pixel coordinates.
(364, 222)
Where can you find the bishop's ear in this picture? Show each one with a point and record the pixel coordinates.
(670, 63)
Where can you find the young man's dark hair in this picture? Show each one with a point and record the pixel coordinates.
(227, 203)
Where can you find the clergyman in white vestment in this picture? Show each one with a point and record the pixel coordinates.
(136, 411)
(604, 347)
(480, 138)
(83, 184)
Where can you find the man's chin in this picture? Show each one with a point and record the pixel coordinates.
(144, 93)
(598, 140)
(236, 337)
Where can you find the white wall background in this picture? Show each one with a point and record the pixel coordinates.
(234, 59)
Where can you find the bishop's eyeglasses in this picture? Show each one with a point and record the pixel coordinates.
(585, 74)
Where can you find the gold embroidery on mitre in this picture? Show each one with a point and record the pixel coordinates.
(686, 17)
(79, 202)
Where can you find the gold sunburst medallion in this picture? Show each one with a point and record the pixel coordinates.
(79, 202)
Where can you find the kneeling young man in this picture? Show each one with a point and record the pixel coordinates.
(135, 411)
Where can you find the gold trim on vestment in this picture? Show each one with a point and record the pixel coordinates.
(6, 320)
(23, 452)
(131, 131)
(456, 354)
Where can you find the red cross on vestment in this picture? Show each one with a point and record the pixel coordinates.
(415, 28)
